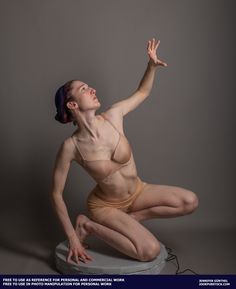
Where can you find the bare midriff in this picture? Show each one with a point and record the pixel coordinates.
(120, 185)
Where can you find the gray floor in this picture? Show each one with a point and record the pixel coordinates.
(204, 251)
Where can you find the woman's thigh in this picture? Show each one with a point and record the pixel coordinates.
(163, 195)
(124, 224)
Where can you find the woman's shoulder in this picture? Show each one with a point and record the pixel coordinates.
(113, 112)
(67, 148)
(114, 116)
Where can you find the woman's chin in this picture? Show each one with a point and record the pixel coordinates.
(98, 105)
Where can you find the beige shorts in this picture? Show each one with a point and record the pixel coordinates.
(94, 202)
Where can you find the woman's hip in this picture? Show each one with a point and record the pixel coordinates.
(95, 203)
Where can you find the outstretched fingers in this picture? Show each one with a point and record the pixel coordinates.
(153, 44)
(69, 256)
(84, 257)
(157, 44)
(78, 257)
(152, 48)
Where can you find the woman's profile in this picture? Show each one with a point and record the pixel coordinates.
(120, 199)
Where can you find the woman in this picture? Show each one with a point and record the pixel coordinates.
(120, 199)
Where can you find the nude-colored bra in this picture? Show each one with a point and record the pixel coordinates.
(102, 169)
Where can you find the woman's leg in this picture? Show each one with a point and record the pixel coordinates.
(163, 201)
(121, 232)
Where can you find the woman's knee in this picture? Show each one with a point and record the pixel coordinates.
(149, 250)
(190, 202)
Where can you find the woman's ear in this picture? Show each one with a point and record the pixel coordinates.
(72, 105)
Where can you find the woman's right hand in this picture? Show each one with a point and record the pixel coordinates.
(77, 252)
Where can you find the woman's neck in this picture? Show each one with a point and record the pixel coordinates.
(88, 126)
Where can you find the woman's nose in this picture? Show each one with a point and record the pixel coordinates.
(93, 91)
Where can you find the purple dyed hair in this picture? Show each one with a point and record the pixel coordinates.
(62, 96)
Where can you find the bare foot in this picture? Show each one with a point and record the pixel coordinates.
(81, 229)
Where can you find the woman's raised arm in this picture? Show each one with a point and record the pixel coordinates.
(146, 83)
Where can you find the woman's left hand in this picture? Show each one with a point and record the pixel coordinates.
(152, 48)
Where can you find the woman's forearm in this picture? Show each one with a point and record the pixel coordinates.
(146, 83)
(62, 214)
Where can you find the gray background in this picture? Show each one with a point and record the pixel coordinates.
(182, 135)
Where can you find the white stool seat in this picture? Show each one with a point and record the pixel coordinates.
(107, 260)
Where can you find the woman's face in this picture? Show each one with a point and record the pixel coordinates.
(84, 95)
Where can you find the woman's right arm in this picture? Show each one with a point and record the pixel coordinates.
(61, 168)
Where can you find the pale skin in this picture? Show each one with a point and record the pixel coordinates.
(117, 227)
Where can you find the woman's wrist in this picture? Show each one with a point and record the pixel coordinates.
(152, 64)
(72, 236)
